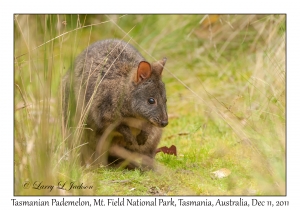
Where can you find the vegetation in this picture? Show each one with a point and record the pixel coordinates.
(225, 81)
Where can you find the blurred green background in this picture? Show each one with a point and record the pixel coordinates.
(225, 81)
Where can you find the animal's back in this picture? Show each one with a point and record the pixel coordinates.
(105, 67)
(111, 57)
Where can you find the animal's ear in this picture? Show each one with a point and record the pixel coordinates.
(158, 66)
(143, 71)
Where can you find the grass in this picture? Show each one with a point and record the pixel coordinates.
(225, 81)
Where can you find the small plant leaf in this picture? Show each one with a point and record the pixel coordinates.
(221, 173)
(166, 150)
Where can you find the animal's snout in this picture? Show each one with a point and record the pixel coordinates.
(164, 123)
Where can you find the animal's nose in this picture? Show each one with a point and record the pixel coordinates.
(164, 123)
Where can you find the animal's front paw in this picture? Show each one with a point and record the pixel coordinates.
(142, 138)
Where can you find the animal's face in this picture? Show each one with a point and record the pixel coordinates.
(149, 101)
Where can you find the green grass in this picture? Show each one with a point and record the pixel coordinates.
(225, 81)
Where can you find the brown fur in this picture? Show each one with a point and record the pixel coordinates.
(126, 102)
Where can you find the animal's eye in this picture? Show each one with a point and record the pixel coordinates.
(151, 101)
